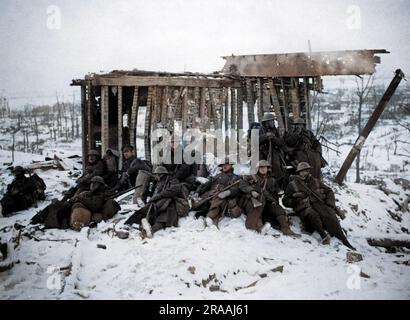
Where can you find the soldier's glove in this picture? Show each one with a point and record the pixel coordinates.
(254, 194)
(298, 195)
(224, 194)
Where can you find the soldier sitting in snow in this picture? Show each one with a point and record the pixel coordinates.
(22, 193)
(95, 167)
(89, 206)
(314, 203)
(168, 202)
(219, 195)
(261, 201)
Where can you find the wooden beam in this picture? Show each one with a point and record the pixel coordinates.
(104, 120)
(163, 81)
(133, 119)
(84, 122)
(307, 102)
(233, 106)
(120, 124)
(294, 94)
(250, 102)
(276, 107)
(285, 104)
(259, 94)
(184, 109)
(369, 126)
(90, 116)
(147, 133)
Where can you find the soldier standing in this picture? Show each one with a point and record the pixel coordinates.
(261, 201)
(314, 203)
(271, 147)
(302, 146)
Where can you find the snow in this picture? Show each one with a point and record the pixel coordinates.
(198, 262)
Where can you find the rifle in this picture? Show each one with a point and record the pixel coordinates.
(118, 194)
(311, 192)
(201, 202)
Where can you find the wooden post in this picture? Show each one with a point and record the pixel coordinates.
(84, 125)
(133, 118)
(249, 99)
(90, 116)
(184, 109)
(259, 94)
(285, 104)
(294, 93)
(120, 124)
(104, 120)
(233, 109)
(164, 105)
(147, 133)
(276, 106)
(307, 102)
(369, 126)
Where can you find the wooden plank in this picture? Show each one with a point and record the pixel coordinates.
(164, 105)
(259, 94)
(249, 99)
(90, 116)
(276, 107)
(307, 102)
(233, 106)
(154, 110)
(285, 104)
(163, 81)
(226, 109)
(295, 102)
(133, 119)
(120, 124)
(184, 109)
(239, 102)
(104, 120)
(300, 64)
(147, 131)
(84, 126)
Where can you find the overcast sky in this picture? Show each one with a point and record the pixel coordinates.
(178, 35)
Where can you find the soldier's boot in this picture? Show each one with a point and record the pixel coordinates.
(265, 228)
(214, 215)
(285, 227)
(326, 240)
(158, 226)
(316, 222)
(253, 219)
(1, 211)
(146, 231)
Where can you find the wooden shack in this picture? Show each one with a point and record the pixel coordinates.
(247, 87)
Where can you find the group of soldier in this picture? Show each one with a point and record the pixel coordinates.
(290, 163)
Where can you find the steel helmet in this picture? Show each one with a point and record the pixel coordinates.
(303, 166)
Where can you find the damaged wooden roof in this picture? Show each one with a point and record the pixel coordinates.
(154, 78)
(303, 64)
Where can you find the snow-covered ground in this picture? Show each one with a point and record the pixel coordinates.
(194, 262)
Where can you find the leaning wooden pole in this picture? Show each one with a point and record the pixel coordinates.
(369, 126)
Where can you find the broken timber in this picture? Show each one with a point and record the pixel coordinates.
(369, 126)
